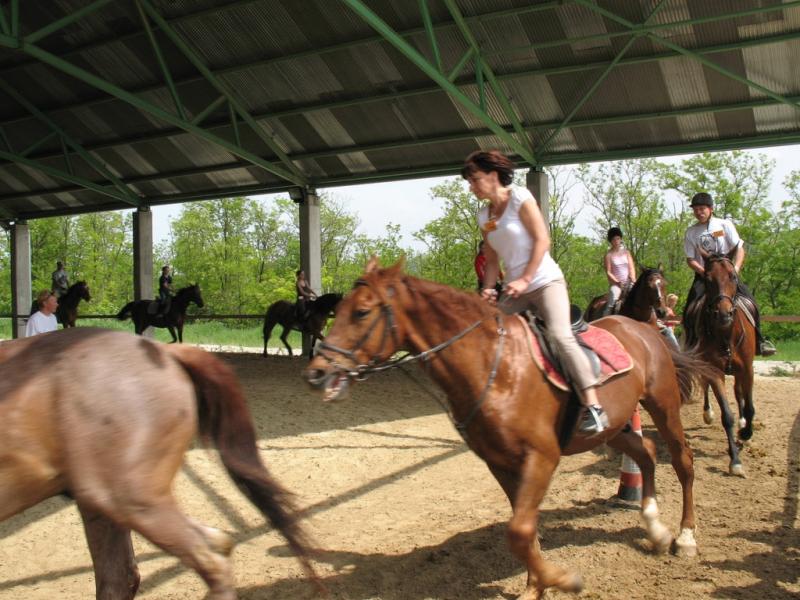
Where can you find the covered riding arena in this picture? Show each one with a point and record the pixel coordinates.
(111, 105)
(399, 509)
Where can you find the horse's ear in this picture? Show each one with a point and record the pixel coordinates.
(660, 267)
(372, 264)
(396, 268)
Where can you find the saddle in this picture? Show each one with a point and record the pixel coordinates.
(694, 312)
(606, 354)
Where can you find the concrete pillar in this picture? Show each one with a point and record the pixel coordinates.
(536, 181)
(143, 257)
(310, 246)
(21, 296)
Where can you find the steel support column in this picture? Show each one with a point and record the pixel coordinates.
(536, 181)
(143, 256)
(310, 245)
(21, 296)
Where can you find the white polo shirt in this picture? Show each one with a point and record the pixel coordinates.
(40, 323)
(718, 236)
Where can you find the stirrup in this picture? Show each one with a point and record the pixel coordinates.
(766, 348)
(595, 420)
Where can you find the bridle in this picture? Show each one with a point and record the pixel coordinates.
(375, 364)
(712, 304)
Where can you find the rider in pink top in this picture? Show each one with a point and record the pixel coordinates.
(620, 270)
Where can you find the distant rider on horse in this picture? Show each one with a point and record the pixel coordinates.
(304, 295)
(712, 235)
(165, 291)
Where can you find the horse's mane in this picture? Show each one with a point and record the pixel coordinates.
(185, 290)
(639, 284)
(454, 303)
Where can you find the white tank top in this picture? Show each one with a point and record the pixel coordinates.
(619, 265)
(513, 244)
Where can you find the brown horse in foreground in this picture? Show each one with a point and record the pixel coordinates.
(507, 412)
(645, 301)
(106, 417)
(727, 340)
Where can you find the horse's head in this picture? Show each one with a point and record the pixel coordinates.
(192, 294)
(367, 331)
(649, 292)
(721, 283)
(83, 291)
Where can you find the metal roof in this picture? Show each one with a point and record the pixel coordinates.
(112, 104)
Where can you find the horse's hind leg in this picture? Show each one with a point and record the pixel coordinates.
(708, 410)
(172, 333)
(643, 452)
(285, 340)
(162, 523)
(116, 574)
(664, 408)
(735, 467)
(522, 530)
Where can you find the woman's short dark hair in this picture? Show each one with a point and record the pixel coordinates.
(488, 161)
(613, 232)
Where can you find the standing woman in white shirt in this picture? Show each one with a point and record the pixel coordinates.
(514, 230)
(620, 270)
(44, 319)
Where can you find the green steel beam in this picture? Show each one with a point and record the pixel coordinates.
(234, 124)
(3, 22)
(35, 145)
(176, 99)
(65, 153)
(9, 42)
(101, 84)
(59, 174)
(691, 54)
(426, 20)
(459, 66)
(63, 22)
(599, 80)
(6, 141)
(645, 29)
(416, 58)
(239, 67)
(482, 69)
(15, 19)
(223, 89)
(203, 114)
(66, 139)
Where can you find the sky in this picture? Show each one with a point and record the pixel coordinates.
(409, 203)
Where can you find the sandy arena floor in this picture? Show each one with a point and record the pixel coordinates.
(399, 510)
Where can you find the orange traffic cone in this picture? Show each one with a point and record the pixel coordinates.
(630, 477)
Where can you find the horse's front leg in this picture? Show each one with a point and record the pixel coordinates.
(708, 410)
(735, 467)
(743, 389)
(171, 330)
(522, 530)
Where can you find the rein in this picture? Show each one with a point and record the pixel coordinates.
(362, 371)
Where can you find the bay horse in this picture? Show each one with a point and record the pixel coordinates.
(284, 313)
(106, 418)
(503, 406)
(67, 311)
(144, 313)
(645, 301)
(726, 338)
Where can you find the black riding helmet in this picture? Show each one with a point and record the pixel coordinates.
(702, 199)
(613, 232)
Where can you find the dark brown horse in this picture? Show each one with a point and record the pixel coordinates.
(67, 311)
(506, 410)
(145, 312)
(105, 418)
(645, 301)
(727, 340)
(284, 313)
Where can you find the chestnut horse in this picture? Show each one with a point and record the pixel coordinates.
(727, 339)
(646, 298)
(105, 418)
(508, 413)
(67, 311)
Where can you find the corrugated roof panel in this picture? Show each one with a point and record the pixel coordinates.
(576, 21)
(773, 67)
(778, 118)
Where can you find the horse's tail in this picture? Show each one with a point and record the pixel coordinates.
(224, 418)
(125, 312)
(692, 371)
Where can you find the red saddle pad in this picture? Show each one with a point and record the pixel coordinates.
(614, 359)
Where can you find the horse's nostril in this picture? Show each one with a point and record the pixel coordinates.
(315, 377)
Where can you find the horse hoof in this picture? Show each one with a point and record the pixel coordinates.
(737, 470)
(685, 545)
(572, 582)
(708, 417)
(745, 434)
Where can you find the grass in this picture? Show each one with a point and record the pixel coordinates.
(243, 334)
(247, 333)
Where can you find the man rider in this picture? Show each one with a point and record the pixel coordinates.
(712, 235)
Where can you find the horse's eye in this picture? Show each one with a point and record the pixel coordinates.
(361, 313)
